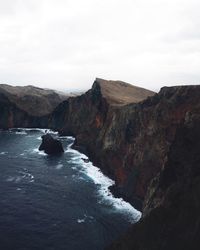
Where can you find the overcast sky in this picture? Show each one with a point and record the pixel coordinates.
(66, 44)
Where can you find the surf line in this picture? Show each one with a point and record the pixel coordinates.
(104, 182)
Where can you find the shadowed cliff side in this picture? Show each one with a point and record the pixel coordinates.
(27, 106)
(14, 117)
(171, 217)
(128, 142)
(33, 100)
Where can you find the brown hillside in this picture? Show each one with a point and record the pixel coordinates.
(35, 101)
(121, 93)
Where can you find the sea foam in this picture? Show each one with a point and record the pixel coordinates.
(104, 182)
(21, 176)
(24, 130)
(59, 166)
(36, 150)
(20, 133)
(3, 153)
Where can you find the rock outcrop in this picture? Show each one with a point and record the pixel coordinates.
(50, 145)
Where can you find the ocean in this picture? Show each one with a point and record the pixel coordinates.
(55, 202)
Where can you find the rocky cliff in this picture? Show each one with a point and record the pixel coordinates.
(27, 106)
(171, 213)
(128, 141)
(148, 143)
(101, 122)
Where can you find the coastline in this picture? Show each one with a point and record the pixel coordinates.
(99, 178)
(93, 172)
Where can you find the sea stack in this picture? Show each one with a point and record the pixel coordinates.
(50, 145)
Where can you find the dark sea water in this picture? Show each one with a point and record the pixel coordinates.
(54, 203)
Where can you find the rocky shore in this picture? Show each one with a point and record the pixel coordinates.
(148, 143)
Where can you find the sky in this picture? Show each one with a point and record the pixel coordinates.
(66, 44)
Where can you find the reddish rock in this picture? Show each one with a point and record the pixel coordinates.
(128, 141)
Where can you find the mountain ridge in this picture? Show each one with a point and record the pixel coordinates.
(30, 99)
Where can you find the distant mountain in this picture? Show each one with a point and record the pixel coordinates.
(33, 100)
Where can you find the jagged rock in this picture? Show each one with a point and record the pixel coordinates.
(50, 145)
(85, 160)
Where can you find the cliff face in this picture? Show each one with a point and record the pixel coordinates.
(27, 106)
(130, 141)
(14, 117)
(172, 204)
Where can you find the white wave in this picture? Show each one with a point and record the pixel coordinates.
(81, 220)
(49, 131)
(23, 175)
(43, 130)
(104, 183)
(99, 178)
(59, 166)
(86, 217)
(36, 150)
(15, 179)
(3, 153)
(66, 137)
(73, 167)
(76, 154)
(20, 133)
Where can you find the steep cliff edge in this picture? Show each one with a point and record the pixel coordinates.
(171, 213)
(130, 141)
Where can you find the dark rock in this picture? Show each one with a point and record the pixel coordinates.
(85, 160)
(171, 217)
(140, 143)
(50, 145)
(128, 140)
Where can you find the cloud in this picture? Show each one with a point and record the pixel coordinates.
(66, 44)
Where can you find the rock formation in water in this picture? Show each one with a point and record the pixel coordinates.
(149, 144)
(50, 145)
